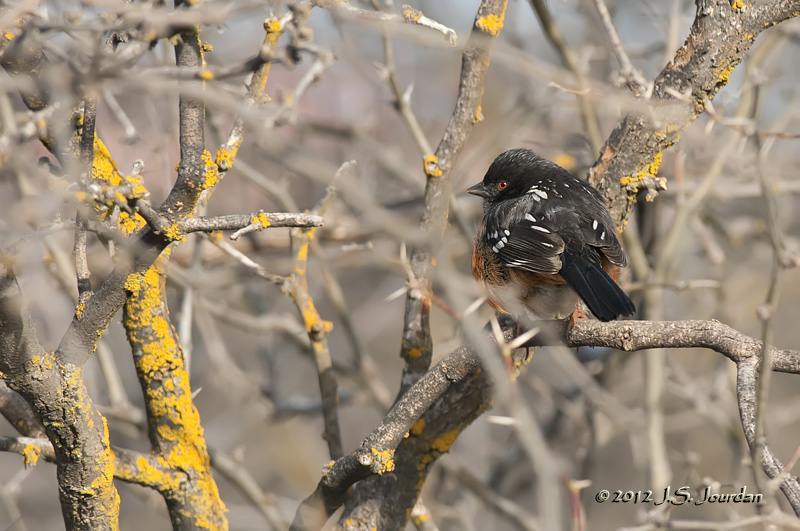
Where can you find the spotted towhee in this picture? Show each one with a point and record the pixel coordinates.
(546, 238)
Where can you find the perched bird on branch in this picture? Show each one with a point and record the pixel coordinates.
(546, 238)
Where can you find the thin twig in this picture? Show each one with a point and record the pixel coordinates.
(633, 77)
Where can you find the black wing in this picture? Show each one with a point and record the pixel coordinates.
(529, 244)
(598, 232)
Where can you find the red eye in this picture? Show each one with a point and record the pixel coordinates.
(502, 185)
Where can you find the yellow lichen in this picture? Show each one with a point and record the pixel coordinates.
(170, 404)
(133, 281)
(152, 476)
(262, 219)
(414, 353)
(478, 117)
(226, 156)
(30, 455)
(431, 166)
(492, 24)
(650, 170)
(738, 4)
(420, 518)
(79, 311)
(418, 427)
(173, 232)
(206, 75)
(104, 168)
(443, 443)
(410, 14)
(383, 461)
(272, 25)
(211, 173)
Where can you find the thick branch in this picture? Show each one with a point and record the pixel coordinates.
(375, 455)
(641, 335)
(719, 38)
(436, 397)
(59, 397)
(173, 421)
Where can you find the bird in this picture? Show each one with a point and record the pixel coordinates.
(545, 241)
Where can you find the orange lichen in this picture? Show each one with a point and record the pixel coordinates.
(478, 117)
(418, 427)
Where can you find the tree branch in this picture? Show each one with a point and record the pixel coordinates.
(718, 40)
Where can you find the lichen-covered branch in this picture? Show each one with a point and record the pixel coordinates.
(432, 416)
(316, 327)
(416, 346)
(84, 460)
(174, 429)
(720, 36)
(376, 454)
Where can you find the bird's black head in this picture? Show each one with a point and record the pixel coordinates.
(511, 175)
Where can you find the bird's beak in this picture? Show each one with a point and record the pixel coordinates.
(479, 190)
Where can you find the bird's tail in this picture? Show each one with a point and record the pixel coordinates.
(602, 295)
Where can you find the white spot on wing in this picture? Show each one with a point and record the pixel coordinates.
(594, 224)
(546, 244)
(540, 229)
(540, 193)
(603, 235)
(507, 232)
(529, 217)
(500, 244)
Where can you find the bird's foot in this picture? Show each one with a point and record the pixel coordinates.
(577, 314)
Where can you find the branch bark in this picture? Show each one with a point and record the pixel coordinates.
(720, 36)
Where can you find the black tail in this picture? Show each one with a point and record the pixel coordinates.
(602, 295)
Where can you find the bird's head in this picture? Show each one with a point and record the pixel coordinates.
(511, 175)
